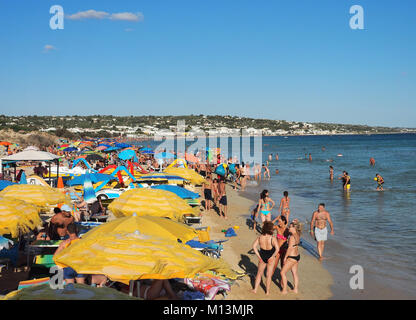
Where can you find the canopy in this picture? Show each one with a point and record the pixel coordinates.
(35, 194)
(179, 191)
(31, 155)
(95, 178)
(125, 256)
(151, 202)
(17, 217)
(188, 174)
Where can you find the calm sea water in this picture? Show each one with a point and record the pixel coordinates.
(376, 230)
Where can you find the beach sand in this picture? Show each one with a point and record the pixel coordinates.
(314, 280)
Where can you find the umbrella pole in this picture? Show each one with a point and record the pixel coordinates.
(57, 169)
(50, 181)
(131, 288)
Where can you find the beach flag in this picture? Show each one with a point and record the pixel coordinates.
(23, 178)
(89, 194)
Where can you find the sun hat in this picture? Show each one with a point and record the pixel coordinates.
(65, 207)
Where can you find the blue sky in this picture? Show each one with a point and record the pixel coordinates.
(293, 60)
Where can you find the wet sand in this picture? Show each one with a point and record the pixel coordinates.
(314, 280)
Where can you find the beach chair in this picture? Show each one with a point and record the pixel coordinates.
(191, 219)
(41, 265)
(4, 263)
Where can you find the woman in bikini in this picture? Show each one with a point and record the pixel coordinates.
(266, 254)
(292, 257)
(266, 205)
(284, 205)
(282, 234)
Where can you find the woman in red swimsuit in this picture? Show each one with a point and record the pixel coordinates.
(282, 234)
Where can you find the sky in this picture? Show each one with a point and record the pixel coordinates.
(295, 60)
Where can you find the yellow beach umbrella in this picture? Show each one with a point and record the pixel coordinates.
(41, 196)
(123, 256)
(186, 173)
(17, 217)
(78, 292)
(150, 202)
(151, 226)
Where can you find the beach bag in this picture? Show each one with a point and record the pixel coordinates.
(232, 169)
(220, 170)
(230, 233)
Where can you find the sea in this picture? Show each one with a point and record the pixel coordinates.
(375, 230)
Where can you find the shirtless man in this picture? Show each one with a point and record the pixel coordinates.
(284, 205)
(319, 230)
(223, 198)
(60, 221)
(266, 172)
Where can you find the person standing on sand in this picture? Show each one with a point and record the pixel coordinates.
(282, 234)
(207, 187)
(223, 198)
(266, 254)
(284, 205)
(331, 173)
(243, 176)
(214, 191)
(266, 205)
(319, 229)
(292, 257)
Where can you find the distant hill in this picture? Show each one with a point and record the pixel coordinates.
(140, 126)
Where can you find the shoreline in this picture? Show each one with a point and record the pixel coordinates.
(314, 280)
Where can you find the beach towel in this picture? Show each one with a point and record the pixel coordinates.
(192, 295)
(208, 286)
(230, 233)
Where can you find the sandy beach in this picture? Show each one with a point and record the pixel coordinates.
(315, 281)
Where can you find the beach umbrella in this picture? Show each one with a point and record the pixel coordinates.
(150, 202)
(70, 292)
(189, 174)
(38, 195)
(65, 145)
(94, 178)
(5, 243)
(17, 217)
(5, 143)
(5, 183)
(164, 155)
(161, 177)
(70, 149)
(179, 191)
(128, 154)
(111, 149)
(94, 157)
(123, 145)
(147, 225)
(126, 256)
(104, 145)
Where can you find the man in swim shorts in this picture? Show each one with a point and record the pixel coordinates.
(319, 229)
(223, 198)
(380, 182)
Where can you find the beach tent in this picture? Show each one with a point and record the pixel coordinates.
(179, 191)
(151, 202)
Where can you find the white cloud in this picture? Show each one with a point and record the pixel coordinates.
(93, 14)
(89, 14)
(48, 48)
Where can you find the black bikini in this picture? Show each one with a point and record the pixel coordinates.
(297, 258)
(267, 254)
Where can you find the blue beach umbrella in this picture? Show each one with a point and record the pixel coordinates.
(5, 243)
(165, 155)
(179, 191)
(128, 154)
(70, 149)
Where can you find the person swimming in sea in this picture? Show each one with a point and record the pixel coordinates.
(331, 173)
(380, 182)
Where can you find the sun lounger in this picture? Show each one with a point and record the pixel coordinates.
(33, 282)
(189, 219)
